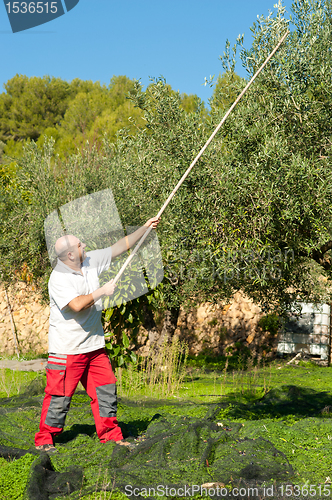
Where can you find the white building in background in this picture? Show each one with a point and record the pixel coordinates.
(309, 332)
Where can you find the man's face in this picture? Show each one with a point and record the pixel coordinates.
(70, 249)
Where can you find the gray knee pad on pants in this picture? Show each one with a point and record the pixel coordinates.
(57, 411)
(106, 395)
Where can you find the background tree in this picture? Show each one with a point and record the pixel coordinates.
(74, 114)
(96, 112)
(225, 91)
(30, 105)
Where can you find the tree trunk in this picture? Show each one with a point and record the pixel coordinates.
(150, 325)
(170, 324)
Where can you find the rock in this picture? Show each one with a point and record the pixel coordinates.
(201, 314)
(35, 308)
(23, 313)
(248, 315)
(44, 336)
(24, 332)
(250, 338)
(3, 306)
(225, 309)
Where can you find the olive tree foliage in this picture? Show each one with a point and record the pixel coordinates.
(226, 90)
(275, 211)
(151, 164)
(37, 187)
(255, 213)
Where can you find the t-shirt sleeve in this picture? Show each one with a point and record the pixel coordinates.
(101, 259)
(62, 292)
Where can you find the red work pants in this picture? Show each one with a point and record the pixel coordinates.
(63, 373)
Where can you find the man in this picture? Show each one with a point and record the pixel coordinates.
(76, 338)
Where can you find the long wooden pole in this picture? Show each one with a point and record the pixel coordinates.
(185, 175)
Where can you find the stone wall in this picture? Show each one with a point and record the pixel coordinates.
(210, 328)
(30, 317)
(217, 329)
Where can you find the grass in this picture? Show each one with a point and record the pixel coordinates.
(161, 373)
(291, 406)
(14, 382)
(13, 477)
(27, 356)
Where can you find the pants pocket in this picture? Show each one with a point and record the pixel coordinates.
(55, 381)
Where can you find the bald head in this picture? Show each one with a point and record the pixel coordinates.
(64, 245)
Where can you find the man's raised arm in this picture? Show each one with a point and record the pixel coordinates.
(129, 241)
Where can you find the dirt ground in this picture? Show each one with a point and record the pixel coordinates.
(34, 365)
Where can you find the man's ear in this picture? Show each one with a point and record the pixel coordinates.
(70, 255)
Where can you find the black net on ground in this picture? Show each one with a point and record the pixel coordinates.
(178, 451)
(176, 444)
(45, 483)
(286, 400)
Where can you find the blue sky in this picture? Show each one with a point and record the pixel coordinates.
(179, 39)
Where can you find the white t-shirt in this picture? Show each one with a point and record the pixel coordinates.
(76, 332)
